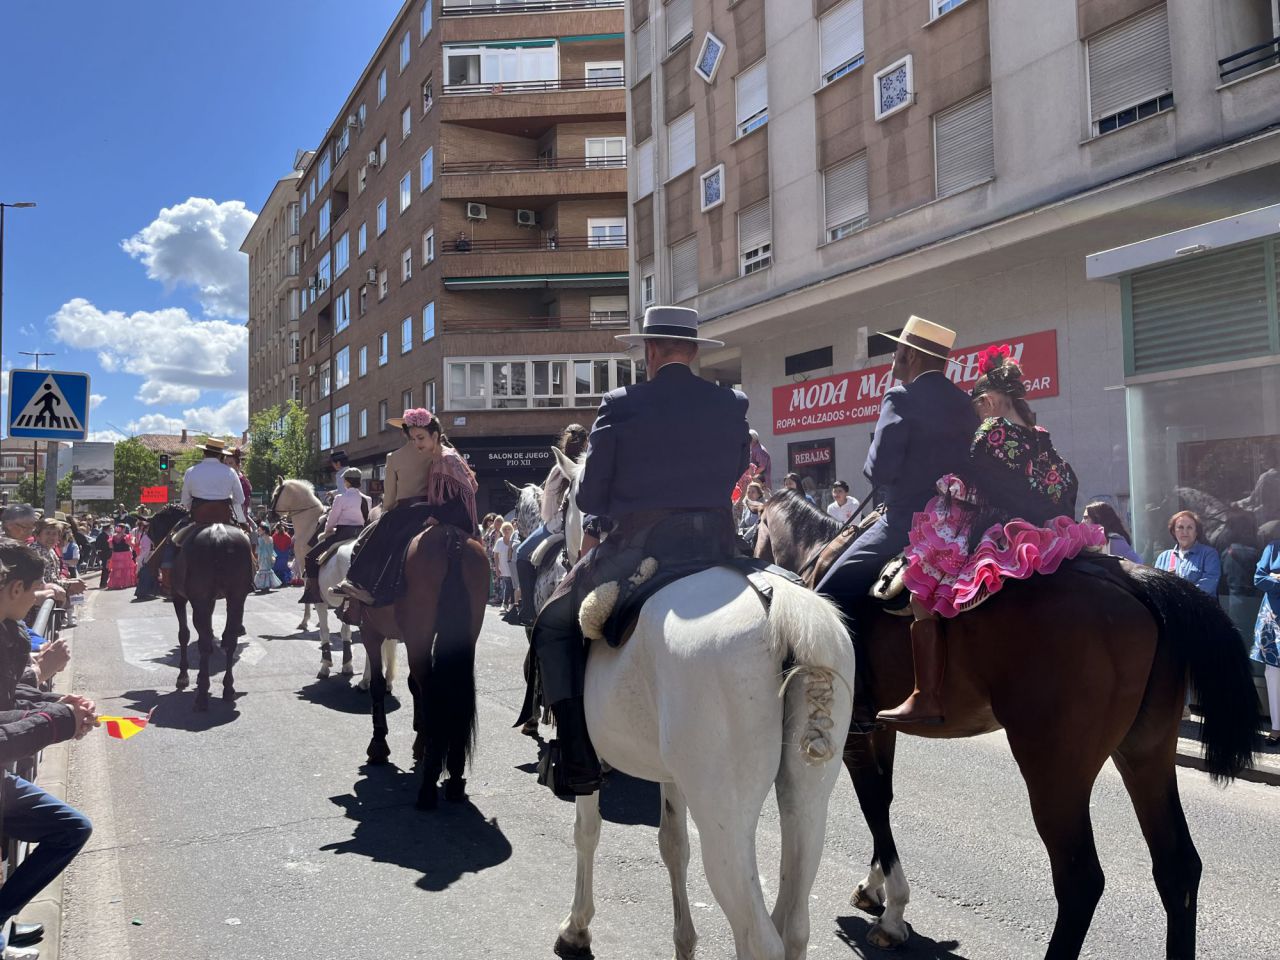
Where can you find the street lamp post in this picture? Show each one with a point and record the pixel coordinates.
(3, 207)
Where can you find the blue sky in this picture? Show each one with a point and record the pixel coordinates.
(149, 132)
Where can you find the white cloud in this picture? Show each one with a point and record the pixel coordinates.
(231, 418)
(106, 436)
(197, 244)
(155, 392)
(95, 400)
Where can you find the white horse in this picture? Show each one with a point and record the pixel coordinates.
(297, 499)
(699, 700)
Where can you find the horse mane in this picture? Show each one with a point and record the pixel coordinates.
(310, 487)
(807, 523)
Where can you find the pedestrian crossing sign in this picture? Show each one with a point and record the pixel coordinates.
(48, 405)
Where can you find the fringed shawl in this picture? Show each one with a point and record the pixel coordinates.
(449, 478)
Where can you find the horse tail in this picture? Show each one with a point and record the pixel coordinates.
(806, 631)
(451, 691)
(1199, 633)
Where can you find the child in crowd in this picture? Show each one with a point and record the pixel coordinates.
(504, 552)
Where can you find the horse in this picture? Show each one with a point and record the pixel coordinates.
(549, 558)
(1120, 659)
(297, 499)
(719, 700)
(214, 564)
(439, 614)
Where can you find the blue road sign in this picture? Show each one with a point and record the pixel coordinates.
(48, 405)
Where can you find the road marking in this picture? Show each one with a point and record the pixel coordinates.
(149, 642)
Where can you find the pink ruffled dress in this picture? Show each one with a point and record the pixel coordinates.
(950, 570)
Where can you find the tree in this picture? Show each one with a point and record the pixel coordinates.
(261, 464)
(136, 467)
(295, 457)
(31, 489)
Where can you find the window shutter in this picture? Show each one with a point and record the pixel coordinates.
(610, 304)
(964, 148)
(1130, 64)
(643, 54)
(680, 145)
(684, 269)
(644, 168)
(846, 191)
(755, 226)
(752, 91)
(679, 15)
(841, 30)
(1207, 309)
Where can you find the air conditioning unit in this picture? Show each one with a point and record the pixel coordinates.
(311, 370)
(371, 276)
(526, 218)
(373, 158)
(353, 121)
(477, 211)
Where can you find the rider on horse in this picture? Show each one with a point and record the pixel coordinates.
(346, 519)
(427, 482)
(662, 461)
(572, 442)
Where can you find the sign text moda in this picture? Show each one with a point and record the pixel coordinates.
(849, 398)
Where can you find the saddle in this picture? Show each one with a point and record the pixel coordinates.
(204, 513)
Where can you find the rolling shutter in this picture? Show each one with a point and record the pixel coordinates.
(846, 191)
(644, 168)
(842, 39)
(679, 14)
(680, 145)
(963, 144)
(1130, 63)
(755, 227)
(752, 92)
(684, 269)
(1207, 309)
(642, 55)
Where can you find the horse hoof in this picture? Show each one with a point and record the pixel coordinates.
(419, 748)
(378, 751)
(455, 789)
(530, 728)
(878, 936)
(348, 670)
(428, 799)
(364, 685)
(324, 673)
(569, 951)
(868, 901)
(228, 693)
(182, 684)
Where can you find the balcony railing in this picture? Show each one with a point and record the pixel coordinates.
(599, 321)
(531, 165)
(1262, 56)
(534, 243)
(536, 86)
(522, 6)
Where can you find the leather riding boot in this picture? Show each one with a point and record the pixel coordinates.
(311, 592)
(350, 612)
(574, 767)
(930, 652)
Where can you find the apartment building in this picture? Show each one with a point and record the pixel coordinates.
(464, 240)
(274, 247)
(809, 173)
(19, 459)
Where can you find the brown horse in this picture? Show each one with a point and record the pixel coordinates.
(438, 614)
(1117, 672)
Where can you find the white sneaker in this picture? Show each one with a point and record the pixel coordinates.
(21, 953)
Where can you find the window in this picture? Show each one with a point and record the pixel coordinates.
(483, 65)
(648, 288)
(325, 439)
(644, 168)
(364, 299)
(755, 237)
(362, 178)
(680, 145)
(364, 423)
(322, 275)
(944, 6)
(404, 50)
(406, 265)
(711, 187)
(326, 379)
(406, 335)
(382, 216)
(842, 40)
(429, 395)
(295, 389)
(606, 232)
(426, 169)
(342, 254)
(382, 85)
(607, 73)
(341, 368)
(894, 88)
(325, 167)
(684, 269)
(428, 321)
(679, 16)
(535, 383)
(428, 246)
(295, 348)
(362, 114)
(406, 123)
(845, 196)
(427, 93)
(362, 239)
(752, 91)
(382, 152)
(606, 151)
(384, 286)
(382, 415)
(406, 400)
(362, 362)
(708, 61)
(326, 218)
(963, 145)
(425, 26)
(384, 346)
(344, 142)
(1130, 71)
(342, 311)
(406, 191)
(643, 51)
(609, 311)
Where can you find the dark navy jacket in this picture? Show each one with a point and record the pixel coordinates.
(676, 441)
(925, 430)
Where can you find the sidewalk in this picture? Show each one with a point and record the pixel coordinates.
(1266, 767)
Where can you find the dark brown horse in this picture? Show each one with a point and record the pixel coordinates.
(438, 614)
(215, 563)
(1076, 669)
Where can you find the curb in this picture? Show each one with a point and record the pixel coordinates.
(1266, 768)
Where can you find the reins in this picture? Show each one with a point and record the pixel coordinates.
(817, 551)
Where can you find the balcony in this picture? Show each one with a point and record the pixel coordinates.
(535, 262)
(522, 108)
(525, 183)
(600, 322)
(463, 8)
(1256, 58)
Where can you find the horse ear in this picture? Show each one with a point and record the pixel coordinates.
(568, 466)
(279, 480)
(513, 488)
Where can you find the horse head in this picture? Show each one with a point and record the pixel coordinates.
(292, 495)
(570, 510)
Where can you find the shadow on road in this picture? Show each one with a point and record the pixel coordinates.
(442, 846)
(852, 931)
(343, 695)
(174, 708)
(624, 800)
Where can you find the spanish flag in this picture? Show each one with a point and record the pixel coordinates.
(122, 728)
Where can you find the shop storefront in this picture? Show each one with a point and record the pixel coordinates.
(498, 461)
(815, 462)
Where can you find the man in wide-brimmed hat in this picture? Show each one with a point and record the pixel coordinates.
(926, 425)
(663, 458)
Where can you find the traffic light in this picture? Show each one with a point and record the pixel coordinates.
(164, 463)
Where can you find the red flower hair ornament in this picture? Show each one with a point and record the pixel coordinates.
(993, 358)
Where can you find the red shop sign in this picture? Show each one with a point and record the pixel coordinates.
(154, 495)
(848, 398)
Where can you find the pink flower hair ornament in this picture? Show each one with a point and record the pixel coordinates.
(418, 417)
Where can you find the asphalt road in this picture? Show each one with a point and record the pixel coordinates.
(253, 831)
